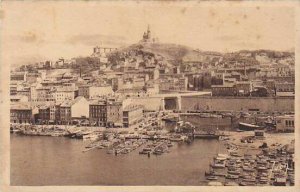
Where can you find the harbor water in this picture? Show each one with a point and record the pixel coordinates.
(37, 161)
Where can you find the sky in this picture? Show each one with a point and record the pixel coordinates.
(43, 30)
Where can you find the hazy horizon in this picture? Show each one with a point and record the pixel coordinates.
(61, 30)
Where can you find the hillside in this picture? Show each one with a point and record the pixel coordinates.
(171, 52)
(178, 53)
(168, 51)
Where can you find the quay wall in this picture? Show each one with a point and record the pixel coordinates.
(263, 104)
(149, 103)
(211, 123)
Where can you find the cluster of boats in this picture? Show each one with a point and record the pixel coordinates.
(117, 143)
(127, 146)
(120, 146)
(115, 146)
(275, 168)
(38, 131)
(156, 147)
(55, 131)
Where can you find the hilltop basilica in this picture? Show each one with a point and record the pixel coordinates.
(147, 37)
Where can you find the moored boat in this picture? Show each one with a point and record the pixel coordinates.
(212, 177)
(229, 176)
(234, 172)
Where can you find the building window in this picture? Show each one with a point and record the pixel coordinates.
(278, 121)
